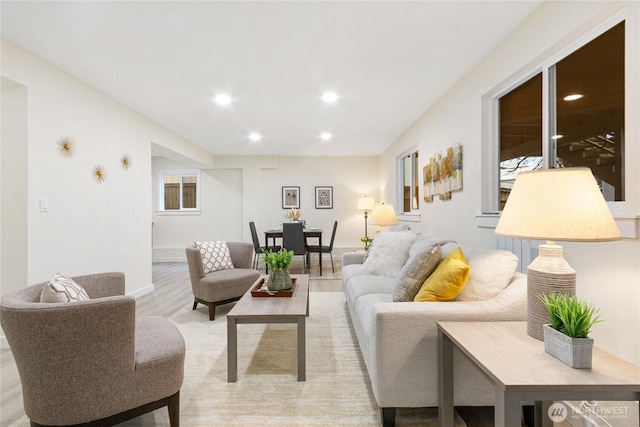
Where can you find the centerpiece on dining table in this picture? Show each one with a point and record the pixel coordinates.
(278, 262)
(293, 214)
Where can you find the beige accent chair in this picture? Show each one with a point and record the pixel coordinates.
(92, 362)
(223, 286)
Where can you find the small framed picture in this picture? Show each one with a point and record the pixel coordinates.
(324, 197)
(290, 197)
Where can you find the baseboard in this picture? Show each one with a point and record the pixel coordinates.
(177, 254)
(168, 255)
(143, 291)
(168, 259)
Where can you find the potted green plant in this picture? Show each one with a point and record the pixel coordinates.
(367, 242)
(567, 336)
(279, 277)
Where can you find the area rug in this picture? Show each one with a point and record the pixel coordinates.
(337, 391)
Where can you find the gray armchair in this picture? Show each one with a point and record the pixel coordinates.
(223, 286)
(92, 361)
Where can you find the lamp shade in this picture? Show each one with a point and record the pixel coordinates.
(365, 203)
(557, 204)
(383, 214)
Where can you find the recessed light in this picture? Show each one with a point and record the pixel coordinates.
(573, 97)
(255, 136)
(329, 97)
(325, 136)
(222, 99)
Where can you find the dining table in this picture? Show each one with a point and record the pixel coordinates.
(275, 233)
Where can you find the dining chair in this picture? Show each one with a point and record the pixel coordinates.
(256, 245)
(326, 249)
(293, 240)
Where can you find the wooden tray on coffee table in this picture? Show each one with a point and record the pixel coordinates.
(257, 291)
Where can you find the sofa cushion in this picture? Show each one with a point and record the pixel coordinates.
(491, 272)
(352, 270)
(416, 270)
(369, 284)
(215, 255)
(389, 252)
(62, 289)
(446, 282)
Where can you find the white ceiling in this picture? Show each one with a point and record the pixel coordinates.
(388, 61)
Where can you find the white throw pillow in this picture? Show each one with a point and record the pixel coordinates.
(389, 252)
(62, 289)
(491, 272)
(215, 255)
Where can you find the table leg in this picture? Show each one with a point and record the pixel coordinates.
(445, 381)
(507, 409)
(266, 248)
(302, 368)
(320, 252)
(232, 350)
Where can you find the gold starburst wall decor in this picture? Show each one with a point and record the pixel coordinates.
(125, 162)
(98, 174)
(66, 147)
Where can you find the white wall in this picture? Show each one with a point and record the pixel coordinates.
(89, 227)
(608, 274)
(13, 193)
(243, 189)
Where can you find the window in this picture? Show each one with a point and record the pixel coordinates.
(585, 110)
(520, 133)
(179, 191)
(409, 182)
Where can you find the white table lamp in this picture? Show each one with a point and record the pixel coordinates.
(383, 215)
(554, 204)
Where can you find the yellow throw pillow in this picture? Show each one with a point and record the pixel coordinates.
(450, 277)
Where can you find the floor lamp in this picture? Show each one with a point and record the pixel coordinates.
(554, 204)
(365, 204)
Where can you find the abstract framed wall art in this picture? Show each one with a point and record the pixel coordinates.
(324, 197)
(443, 174)
(290, 197)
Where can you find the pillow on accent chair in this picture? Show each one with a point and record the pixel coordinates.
(491, 272)
(450, 277)
(389, 252)
(215, 255)
(419, 266)
(62, 289)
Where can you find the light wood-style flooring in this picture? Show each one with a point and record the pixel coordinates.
(172, 292)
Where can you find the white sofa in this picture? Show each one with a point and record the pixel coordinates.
(398, 340)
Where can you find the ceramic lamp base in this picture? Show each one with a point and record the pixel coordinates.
(548, 273)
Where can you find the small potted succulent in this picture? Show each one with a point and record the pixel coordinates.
(278, 262)
(567, 336)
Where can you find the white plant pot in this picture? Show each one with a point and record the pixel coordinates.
(575, 352)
